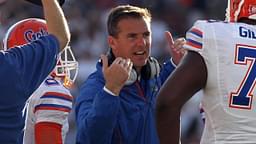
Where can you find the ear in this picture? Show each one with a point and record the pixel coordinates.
(112, 42)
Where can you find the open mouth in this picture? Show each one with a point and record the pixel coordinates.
(140, 53)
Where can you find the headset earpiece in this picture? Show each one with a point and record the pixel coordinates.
(149, 71)
(132, 78)
(133, 75)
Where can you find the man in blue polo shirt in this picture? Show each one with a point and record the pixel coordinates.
(23, 69)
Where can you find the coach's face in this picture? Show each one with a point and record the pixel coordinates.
(132, 41)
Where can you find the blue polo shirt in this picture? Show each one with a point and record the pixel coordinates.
(22, 70)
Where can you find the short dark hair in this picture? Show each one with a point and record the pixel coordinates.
(125, 11)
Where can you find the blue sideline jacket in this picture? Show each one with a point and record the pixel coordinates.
(125, 119)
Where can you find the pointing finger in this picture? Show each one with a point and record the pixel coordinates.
(169, 38)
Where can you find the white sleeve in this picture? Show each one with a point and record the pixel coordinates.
(194, 37)
(53, 107)
(108, 91)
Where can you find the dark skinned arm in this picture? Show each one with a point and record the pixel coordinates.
(189, 77)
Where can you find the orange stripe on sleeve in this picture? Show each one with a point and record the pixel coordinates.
(194, 45)
(48, 133)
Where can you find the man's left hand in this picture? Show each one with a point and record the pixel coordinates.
(175, 47)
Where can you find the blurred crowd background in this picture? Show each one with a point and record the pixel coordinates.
(87, 21)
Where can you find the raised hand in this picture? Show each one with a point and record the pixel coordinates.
(175, 47)
(116, 74)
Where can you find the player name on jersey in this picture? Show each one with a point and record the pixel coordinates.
(246, 33)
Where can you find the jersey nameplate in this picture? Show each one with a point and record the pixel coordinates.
(246, 33)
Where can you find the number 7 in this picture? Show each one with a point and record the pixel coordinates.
(242, 98)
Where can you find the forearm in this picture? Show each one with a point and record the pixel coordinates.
(56, 21)
(97, 120)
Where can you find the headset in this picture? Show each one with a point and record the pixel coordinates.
(148, 71)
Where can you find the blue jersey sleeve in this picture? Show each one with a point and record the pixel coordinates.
(34, 61)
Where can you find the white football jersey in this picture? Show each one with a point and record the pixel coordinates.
(229, 52)
(51, 102)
